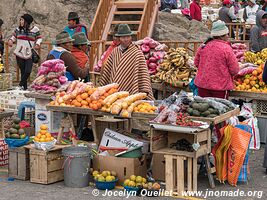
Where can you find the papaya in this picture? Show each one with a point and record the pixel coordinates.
(190, 111)
(16, 120)
(13, 131)
(205, 114)
(196, 106)
(15, 136)
(204, 107)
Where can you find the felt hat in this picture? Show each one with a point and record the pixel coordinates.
(62, 38)
(28, 18)
(219, 29)
(73, 15)
(124, 30)
(186, 11)
(252, 1)
(80, 39)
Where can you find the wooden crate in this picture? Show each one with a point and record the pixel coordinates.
(19, 163)
(46, 166)
(160, 142)
(181, 174)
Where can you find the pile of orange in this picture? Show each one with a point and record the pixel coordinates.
(145, 108)
(43, 135)
(252, 82)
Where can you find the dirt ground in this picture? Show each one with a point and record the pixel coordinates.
(28, 191)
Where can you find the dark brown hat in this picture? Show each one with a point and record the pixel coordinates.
(73, 15)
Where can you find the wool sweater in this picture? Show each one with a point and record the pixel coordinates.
(217, 65)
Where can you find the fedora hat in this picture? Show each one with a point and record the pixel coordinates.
(73, 15)
(80, 39)
(124, 30)
(62, 38)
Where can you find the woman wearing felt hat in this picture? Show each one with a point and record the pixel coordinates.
(27, 37)
(216, 63)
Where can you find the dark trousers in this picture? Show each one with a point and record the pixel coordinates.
(25, 67)
(213, 93)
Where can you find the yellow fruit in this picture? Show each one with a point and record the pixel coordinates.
(95, 173)
(39, 135)
(139, 179)
(36, 139)
(132, 177)
(131, 184)
(126, 182)
(48, 139)
(246, 81)
(242, 87)
(144, 180)
(255, 73)
(43, 127)
(48, 135)
(52, 138)
(252, 83)
(248, 87)
(43, 137)
(42, 140)
(109, 178)
(43, 132)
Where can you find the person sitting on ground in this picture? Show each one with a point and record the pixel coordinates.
(74, 25)
(224, 13)
(80, 49)
(62, 51)
(2, 44)
(258, 34)
(168, 5)
(216, 63)
(186, 13)
(195, 10)
(250, 12)
(127, 66)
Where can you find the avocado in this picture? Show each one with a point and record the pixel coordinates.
(196, 106)
(15, 136)
(190, 111)
(16, 120)
(21, 131)
(196, 113)
(13, 131)
(205, 114)
(16, 126)
(211, 110)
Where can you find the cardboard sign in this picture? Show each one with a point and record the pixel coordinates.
(3, 153)
(113, 139)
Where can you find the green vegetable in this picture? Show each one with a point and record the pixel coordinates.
(13, 131)
(196, 113)
(205, 114)
(15, 136)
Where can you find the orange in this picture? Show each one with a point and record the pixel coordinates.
(84, 95)
(88, 100)
(74, 101)
(43, 137)
(252, 83)
(99, 105)
(94, 102)
(248, 87)
(84, 106)
(94, 107)
(48, 135)
(242, 87)
(84, 103)
(255, 73)
(259, 70)
(246, 81)
(36, 139)
(48, 139)
(43, 132)
(39, 135)
(77, 104)
(52, 138)
(79, 98)
(42, 140)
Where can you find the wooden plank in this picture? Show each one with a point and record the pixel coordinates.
(169, 172)
(180, 174)
(129, 4)
(125, 22)
(174, 152)
(194, 174)
(55, 165)
(12, 164)
(208, 168)
(189, 174)
(55, 176)
(128, 13)
(249, 95)
(23, 166)
(202, 136)
(39, 95)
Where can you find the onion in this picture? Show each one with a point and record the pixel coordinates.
(145, 48)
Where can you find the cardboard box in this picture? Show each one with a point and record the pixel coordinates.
(124, 167)
(158, 167)
(114, 139)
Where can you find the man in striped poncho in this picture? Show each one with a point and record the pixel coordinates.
(127, 66)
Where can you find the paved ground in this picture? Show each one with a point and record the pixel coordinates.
(28, 191)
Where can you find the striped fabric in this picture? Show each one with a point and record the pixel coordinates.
(23, 49)
(129, 70)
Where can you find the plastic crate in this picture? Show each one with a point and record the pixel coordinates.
(6, 82)
(11, 99)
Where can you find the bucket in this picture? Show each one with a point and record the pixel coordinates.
(76, 166)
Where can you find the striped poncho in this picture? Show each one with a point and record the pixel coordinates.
(129, 70)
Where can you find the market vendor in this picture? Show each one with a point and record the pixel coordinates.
(258, 35)
(62, 51)
(127, 66)
(74, 25)
(216, 63)
(80, 49)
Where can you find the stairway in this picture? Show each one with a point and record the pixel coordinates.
(140, 15)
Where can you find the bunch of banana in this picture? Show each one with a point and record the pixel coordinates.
(250, 57)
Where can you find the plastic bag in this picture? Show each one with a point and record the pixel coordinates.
(255, 140)
(45, 145)
(246, 110)
(245, 71)
(12, 143)
(236, 154)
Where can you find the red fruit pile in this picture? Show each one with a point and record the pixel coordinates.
(184, 120)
